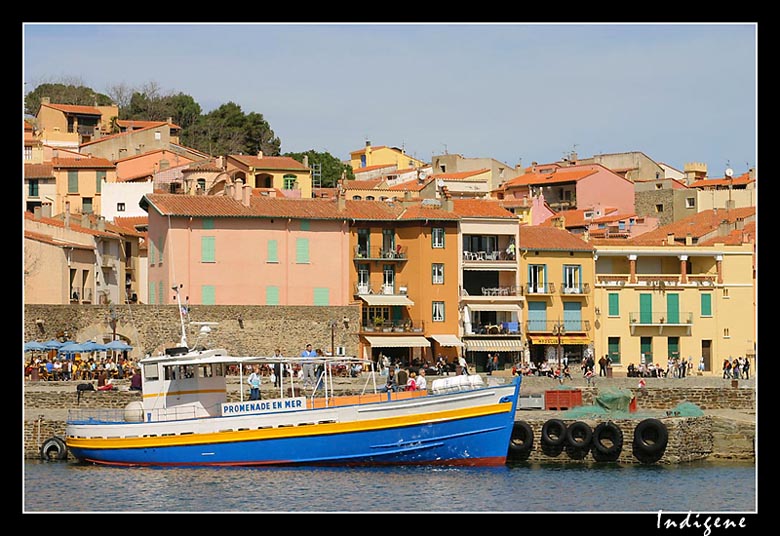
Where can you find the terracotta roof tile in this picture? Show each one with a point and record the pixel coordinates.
(120, 134)
(38, 171)
(134, 123)
(460, 175)
(371, 168)
(559, 176)
(736, 181)
(269, 162)
(49, 239)
(550, 238)
(412, 185)
(368, 184)
(85, 162)
(485, 208)
(698, 225)
(75, 109)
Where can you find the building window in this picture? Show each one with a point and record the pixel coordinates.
(659, 186)
(706, 304)
(571, 278)
(613, 349)
(73, 182)
(120, 207)
(208, 223)
(536, 277)
(27, 152)
(690, 202)
(201, 184)
(157, 135)
(321, 296)
(207, 249)
(614, 304)
(272, 295)
(437, 273)
(302, 250)
(289, 182)
(659, 207)
(305, 225)
(32, 188)
(438, 311)
(208, 295)
(86, 205)
(437, 237)
(726, 333)
(100, 176)
(272, 251)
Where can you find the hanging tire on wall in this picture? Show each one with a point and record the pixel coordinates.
(650, 439)
(553, 433)
(54, 448)
(521, 442)
(579, 435)
(607, 442)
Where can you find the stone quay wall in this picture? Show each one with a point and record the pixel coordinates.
(668, 397)
(240, 329)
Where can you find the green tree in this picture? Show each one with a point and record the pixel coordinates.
(60, 93)
(332, 168)
(226, 130)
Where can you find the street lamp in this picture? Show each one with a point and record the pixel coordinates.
(559, 330)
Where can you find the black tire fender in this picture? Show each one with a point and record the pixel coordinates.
(522, 439)
(608, 431)
(554, 432)
(579, 434)
(650, 436)
(54, 448)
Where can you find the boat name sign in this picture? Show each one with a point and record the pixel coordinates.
(264, 406)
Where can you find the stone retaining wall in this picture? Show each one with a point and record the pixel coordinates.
(666, 398)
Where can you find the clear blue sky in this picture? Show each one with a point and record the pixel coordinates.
(676, 92)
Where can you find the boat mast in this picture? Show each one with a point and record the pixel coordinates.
(183, 341)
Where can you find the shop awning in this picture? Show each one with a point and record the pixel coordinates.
(401, 341)
(550, 339)
(447, 340)
(494, 345)
(386, 299)
(511, 307)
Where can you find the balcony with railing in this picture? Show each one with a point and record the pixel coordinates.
(582, 289)
(398, 254)
(399, 289)
(661, 320)
(81, 295)
(544, 289)
(547, 326)
(656, 281)
(383, 325)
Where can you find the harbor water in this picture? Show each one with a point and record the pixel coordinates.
(705, 486)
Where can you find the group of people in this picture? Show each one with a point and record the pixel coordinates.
(56, 368)
(416, 381)
(737, 368)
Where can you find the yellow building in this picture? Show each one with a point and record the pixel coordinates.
(68, 125)
(79, 181)
(672, 301)
(280, 172)
(382, 155)
(556, 270)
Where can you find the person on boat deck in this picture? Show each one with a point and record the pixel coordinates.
(254, 384)
(135, 380)
(464, 368)
(392, 382)
(411, 383)
(319, 372)
(308, 368)
(421, 382)
(277, 369)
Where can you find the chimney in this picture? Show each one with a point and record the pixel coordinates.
(670, 239)
(169, 120)
(37, 212)
(67, 214)
(446, 203)
(407, 195)
(559, 222)
(247, 194)
(85, 221)
(368, 143)
(45, 100)
(341, 200)
(752, 174)
(688, 239)
(237, 189)
(259, 154)
(46, 210)
(101, 224)
(305, 160)
(740, 224)
(724, 228)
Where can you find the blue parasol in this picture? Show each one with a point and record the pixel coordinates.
(34, 346)
(70, 348)
(92, 346)
(52, 344)
(118, 345)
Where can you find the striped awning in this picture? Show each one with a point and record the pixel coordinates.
(447, 340)
(494, 345)
(401, 341)
(508, 307)
(386, 299)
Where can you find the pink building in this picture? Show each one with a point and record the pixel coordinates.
(240, 249)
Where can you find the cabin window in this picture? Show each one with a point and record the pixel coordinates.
(151, 372)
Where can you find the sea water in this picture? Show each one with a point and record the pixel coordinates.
(704, 486)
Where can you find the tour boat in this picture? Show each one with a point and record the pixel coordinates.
(185, 419)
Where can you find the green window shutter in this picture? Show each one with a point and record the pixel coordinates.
(151, 253)
(302, 250)
(271, 295)
(73, 182)
(673, 308)
(161, 299)
(321, 296)
(273, 253)
(645, 308)
(614, 304)
(613, 349)
(208, 223)
(99, 177)
(207, 249)
(152, 296)
(208, 295)
(305, 225)
(706, 304)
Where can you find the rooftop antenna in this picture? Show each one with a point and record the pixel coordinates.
(445, 148)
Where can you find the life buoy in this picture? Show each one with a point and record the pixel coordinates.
(54, 448)
(608, 439)
(579, 434)
(650, 437)
(554, 433)
(522, 439)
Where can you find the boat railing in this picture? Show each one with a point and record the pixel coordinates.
(133, 414)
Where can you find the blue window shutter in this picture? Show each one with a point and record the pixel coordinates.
(273, 253)
(272, 295)
(321, 296)
(208, 295)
